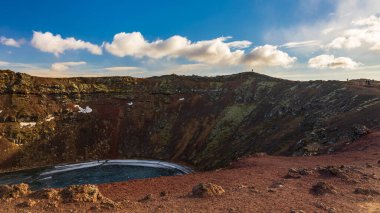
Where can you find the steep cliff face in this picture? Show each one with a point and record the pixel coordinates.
(204, 121)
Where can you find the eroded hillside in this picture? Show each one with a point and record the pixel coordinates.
(203, 121)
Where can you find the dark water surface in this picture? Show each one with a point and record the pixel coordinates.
(93, 172)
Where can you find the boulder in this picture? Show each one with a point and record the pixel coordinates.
(322, 188)
(14, 191)
(81, 193)
(50, 194)
(148, 197)
(207, 190)
(359, 131)
(295, 173)
(334, 171)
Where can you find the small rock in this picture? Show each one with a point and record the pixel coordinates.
(232, 210)
(322, 188)
(323, 206)
(242, 186)
(253, 189)
(146, 198)
(207, 190)
(277, 184)
(292, 174)
(297, 211)
(259, 154)
(163, 193)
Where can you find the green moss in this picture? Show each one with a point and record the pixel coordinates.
(100, 88)
(84, 87)
(266, 85)
(216, 85)
(161, 138)
(228, 123)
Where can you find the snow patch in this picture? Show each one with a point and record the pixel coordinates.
(85, 110)
(49, 118)
(27, 124)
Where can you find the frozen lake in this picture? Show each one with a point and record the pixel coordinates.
(92, 172)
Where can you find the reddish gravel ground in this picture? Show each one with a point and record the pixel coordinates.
(250, 186)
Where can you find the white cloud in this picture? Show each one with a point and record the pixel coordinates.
(345, 42)
(239, 44)
(11, 42)
(216, 51)
(121, 68)
(63, 66)
(301, 44)
(365, 31)
(268, 55)
(329, 61)
(47, 42)
(326, 29)
(4, 63)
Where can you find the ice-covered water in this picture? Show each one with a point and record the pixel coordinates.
(93, 172)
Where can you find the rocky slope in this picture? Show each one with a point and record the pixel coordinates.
(206, 122)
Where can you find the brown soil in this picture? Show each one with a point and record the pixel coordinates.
(252, 184)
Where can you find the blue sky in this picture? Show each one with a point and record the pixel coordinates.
(294, 39)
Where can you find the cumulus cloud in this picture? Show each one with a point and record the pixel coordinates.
(216, 51)
(47, 42)
(362, 32)
(63, 66)
(268, 55)
(121, 68)
(11, 42)
(329, 61)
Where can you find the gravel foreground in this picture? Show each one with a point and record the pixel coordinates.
(344, 182)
